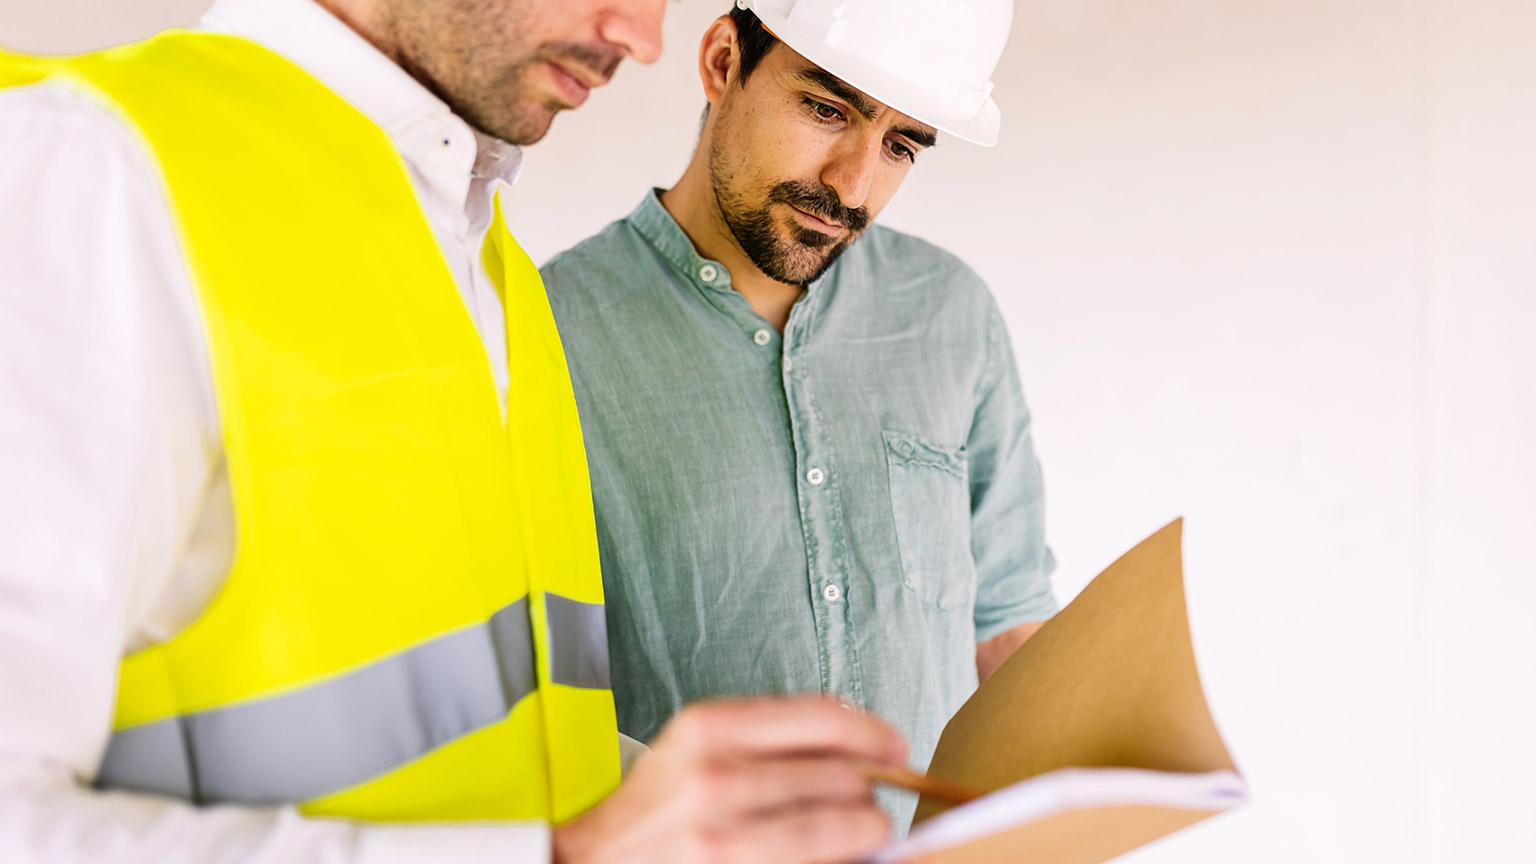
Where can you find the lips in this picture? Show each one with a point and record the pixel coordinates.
(573, 88)
(817, 222)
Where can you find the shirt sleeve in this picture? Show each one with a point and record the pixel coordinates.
(106, 454)
(1013, 563)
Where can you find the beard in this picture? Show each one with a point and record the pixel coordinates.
(798, 255)
(502, 104)
(472, 55)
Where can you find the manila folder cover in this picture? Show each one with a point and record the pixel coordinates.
(1108, 683)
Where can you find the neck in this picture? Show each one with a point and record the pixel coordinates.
(692, 203)
(357, 15)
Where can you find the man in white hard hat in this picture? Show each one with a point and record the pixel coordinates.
(290, 573)
(810, 451)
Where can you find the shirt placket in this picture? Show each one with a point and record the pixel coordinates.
(819, 494)
(460, 172)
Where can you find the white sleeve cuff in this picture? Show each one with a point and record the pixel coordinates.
(469, 843)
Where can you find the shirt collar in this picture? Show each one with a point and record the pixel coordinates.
(658, 227)
(325, 47)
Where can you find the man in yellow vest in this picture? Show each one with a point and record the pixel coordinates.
(298, 561)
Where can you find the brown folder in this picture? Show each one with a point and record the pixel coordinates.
(1110, 682)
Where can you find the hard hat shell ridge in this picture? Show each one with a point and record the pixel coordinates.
(929, 59)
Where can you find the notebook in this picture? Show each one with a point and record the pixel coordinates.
(1094, 738)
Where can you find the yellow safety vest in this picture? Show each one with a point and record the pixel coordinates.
(412, 628)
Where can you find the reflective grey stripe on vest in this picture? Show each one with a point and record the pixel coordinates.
(578, 643)
(321, 739)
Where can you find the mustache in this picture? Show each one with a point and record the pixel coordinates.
(821, 202)
(601, 60)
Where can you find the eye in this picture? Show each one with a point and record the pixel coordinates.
(824, 112)
(902, 151)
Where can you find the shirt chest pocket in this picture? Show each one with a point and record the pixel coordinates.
(931, 503)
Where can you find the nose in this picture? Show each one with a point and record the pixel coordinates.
(635, 26)
(851, 172)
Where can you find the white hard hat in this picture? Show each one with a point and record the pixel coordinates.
(929, 59)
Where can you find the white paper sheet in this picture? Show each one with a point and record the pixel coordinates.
(1065, 790)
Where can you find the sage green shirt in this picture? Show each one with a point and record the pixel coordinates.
(847, 509)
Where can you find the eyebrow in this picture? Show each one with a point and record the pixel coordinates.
(917, 135)
(818, 77)
(838, 87)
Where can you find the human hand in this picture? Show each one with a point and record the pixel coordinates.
(769, 781)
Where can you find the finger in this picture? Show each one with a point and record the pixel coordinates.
(821, 834)
(771, 727)
(744, 790)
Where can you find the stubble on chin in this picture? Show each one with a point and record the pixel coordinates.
(467, 54)
(813, 253)
(796, 255)
(502, 108)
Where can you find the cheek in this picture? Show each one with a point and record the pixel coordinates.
(785, 145)
(769, 154)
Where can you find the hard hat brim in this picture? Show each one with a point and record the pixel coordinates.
(978, 127)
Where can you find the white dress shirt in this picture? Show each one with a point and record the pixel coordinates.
(116, 524)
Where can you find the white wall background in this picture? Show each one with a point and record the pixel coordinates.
(1270, 264)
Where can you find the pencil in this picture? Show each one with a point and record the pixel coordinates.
(936, 788)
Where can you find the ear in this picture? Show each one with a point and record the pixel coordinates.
(719, 58)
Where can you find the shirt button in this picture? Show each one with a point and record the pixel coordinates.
(832, 593)
(788, 364)
(708, 272)
(762, 337)
(815, 476)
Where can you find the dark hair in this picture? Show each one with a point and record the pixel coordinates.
(752, 38)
